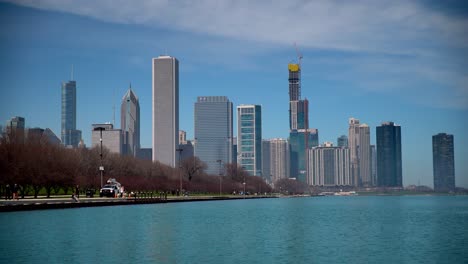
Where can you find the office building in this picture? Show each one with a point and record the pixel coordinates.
(165, 109)
(213, 131)
(182, 137)
(112, 139)
(69, 134)
(389, 167)
(145, 154)
(443, 162)
(342, 141)
(249, 138)
(313, 137)
(364, 156)
(15, 129)
(42, 135)
(329, 166)
(130, 123)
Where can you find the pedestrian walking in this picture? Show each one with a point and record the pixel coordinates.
(15, 191)
(77, 191)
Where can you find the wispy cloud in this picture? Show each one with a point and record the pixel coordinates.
(429, 45)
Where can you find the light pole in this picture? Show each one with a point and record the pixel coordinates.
(243, 173)
(220, 188)
(101, 167)
(180, 177)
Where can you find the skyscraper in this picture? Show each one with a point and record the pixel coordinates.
(69, 134)
(329, 166)
(443, 162)
(353, 143)
(112, 139)
(249, 138)
(374, 165)
(213, 131)
(130, 123)
(279, 159)
(389, 167)
(15, 129)
(165, 109)
(266, 159)
(365, 177)
(342, 141)
(182, 137)
(299, 133)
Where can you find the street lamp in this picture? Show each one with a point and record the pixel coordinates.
(101, 167)
(219, 162)
(243, 173)
(180, 177)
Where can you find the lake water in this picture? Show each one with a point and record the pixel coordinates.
(360, 229)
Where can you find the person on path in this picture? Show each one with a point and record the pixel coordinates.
(15, 191)
(77, 191)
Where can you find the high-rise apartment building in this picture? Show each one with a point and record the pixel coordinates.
(389, 166)
(364, 156)
(279, 159)
(249, 138)
(165, 109)
(70, 135)
(213, 131)
(443, 162)
(266, 161)
(329, 166)
(353, 143)
(130, 123)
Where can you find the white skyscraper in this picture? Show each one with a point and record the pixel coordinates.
(165, 109)
(329, 166)
(279, 159)
(353, 143)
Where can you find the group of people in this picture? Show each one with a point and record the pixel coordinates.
(11, 192)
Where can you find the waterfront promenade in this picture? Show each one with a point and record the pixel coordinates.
(62, 202)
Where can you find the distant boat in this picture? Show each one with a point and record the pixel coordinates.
(350, 193)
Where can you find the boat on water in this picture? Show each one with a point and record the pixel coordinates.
(350, 193)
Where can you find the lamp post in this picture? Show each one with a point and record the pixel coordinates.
(101, 167)
(243, 173)
(180, 177)
(219, 162)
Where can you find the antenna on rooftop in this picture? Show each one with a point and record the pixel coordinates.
(113, 106)
(71, 73)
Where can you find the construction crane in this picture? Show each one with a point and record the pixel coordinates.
(298, 53)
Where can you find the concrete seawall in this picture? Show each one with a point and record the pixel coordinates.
(64, 203)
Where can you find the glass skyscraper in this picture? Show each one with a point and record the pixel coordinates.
(70, 136)
(249, 138)
(443, 162)
(213, 131)
(130, 123)
(165, 110)
(389, 167)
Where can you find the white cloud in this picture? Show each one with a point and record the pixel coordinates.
(427, 45)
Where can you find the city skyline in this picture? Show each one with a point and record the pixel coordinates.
(430, 102)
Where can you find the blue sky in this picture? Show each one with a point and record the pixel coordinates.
(376, 61)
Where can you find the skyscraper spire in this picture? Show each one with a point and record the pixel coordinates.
(71, 77)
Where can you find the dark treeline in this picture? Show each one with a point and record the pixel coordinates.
(36, 166)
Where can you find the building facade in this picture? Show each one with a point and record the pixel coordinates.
(443, 162)
(15, 129)
(353, 143)
(342, 141)
(165, 110)
(374, 165)
(112, 139)
(213, 131)
(249, 138)
(329, 166)
(70, 135)
(364, 156)
(279, 159)
(266, 160)
(389, 166)
(130, 123)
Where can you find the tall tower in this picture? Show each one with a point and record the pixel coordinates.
(364, 154)
(15, 129)
(130, 123)
(443, 162)
(249, 138)
(279, 159)
(69, 134)
(213, 131)
(298, 125)
(353, 143)
(165, 109)
(389, 171)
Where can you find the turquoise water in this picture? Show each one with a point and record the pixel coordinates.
(401, 229)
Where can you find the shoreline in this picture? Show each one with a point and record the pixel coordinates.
(67, 203)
